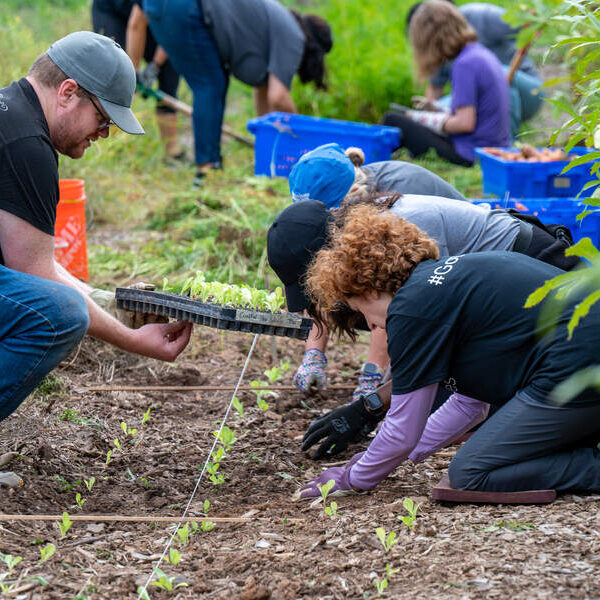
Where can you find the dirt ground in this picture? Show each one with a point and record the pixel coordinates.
(283, 550)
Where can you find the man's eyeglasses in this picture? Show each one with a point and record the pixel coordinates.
(105, 121)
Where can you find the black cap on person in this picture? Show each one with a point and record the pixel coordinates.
(295, 236)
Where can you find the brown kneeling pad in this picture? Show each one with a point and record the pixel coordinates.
(444, 493)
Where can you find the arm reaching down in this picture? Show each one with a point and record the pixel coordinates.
(456, 416)
(398, 436)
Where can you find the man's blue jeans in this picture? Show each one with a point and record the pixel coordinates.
(40, 324)
(179, 27)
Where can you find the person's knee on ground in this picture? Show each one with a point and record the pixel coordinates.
(461, 473)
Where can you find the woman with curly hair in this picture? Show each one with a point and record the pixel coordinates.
(460, 321)
(479, 113)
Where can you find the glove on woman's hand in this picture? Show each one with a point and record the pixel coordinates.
(311, 373)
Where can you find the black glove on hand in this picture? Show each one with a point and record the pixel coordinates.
(342, 426)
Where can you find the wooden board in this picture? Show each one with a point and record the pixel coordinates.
(444, 493)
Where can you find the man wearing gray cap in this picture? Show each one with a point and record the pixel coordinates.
(71, 96)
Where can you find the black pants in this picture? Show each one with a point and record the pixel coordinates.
(551, 250)
(531, 445)
(418, 139)
(113, 24)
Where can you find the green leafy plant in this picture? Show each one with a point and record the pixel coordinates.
(380, 586)
(239, 407)
(79, 500)
(5, 588)
(331, 510)
(142, 593)
(207, 526)
(174, 557)
(206, 506)
(226, 437)
(412, 507)
(10, 561)
(388, 540)
(146, 415)
(109, 457)
(184, 533)
(47, 552)
(65, 524)
(164, 582)
(89, 483)
(127, 430)
(214, 475)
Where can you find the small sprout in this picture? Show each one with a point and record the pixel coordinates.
(206, 506)
(380, 586)
(80, 501)
(389, 571)
(174, 557)
(117, 443)
(412, 507)
(65, 525)
(10, 561)
(326, 488)
(264, 406)
(5, 588)
(183, 533)
(109, 456)
(145, 482)
(164, 582)
(207, 526)
(142, 593)
(218, 455)
(47, 552)
(89, 483)
(146, 416)
(388, 540)
(331, 510)
(239, 407)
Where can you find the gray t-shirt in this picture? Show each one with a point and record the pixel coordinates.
(405, 178)
(459, 227)
(493, 33)
(255, 38)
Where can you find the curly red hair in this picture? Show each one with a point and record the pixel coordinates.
(372, 250)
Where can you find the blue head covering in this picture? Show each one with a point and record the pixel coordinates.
(325, 174)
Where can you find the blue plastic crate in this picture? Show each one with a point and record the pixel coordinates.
(282, 138)
(534, 179)
(555, 210)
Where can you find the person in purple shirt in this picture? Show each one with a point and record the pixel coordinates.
(480, 109)
(460, 322)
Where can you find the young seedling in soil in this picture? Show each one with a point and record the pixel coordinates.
(47, 552)
(239, 407)
(80, 501)
(5, 588)
(388, 540)
(89, 483)
(260, 394)
(184, 533)
(412, 507)
(10, 561)
(109, 457)
(65, 525)
(164, 582)
(142, 593)
(380, 586)
(227, 437)
(174, 557)
(146, 416)
(274, 374)
(331, 510)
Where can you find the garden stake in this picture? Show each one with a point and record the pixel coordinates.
(143, 590)
(201, 388)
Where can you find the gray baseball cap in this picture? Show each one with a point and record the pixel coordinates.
(101, 67)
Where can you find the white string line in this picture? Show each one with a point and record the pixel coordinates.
(144, 589)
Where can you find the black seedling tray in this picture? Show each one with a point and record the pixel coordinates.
(214, 315)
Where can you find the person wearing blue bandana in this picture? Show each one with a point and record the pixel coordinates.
(321, 185)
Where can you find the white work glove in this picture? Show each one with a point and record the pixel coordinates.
(433, 120)
(106, 300)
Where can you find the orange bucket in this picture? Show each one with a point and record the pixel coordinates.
(70, 237)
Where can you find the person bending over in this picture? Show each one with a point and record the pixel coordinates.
(74, 92)
(304, 227)
(260, 42)
(460, 321)
(479, 113)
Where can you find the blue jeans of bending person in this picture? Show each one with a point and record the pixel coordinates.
(179, 27)
(532, 445)
(41, 323)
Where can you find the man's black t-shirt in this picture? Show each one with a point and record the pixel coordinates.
(28, 161)
(460, 321)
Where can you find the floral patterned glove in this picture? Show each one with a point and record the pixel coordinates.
(311, 373)
(369, 380)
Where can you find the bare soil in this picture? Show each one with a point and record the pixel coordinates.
(285, 550)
